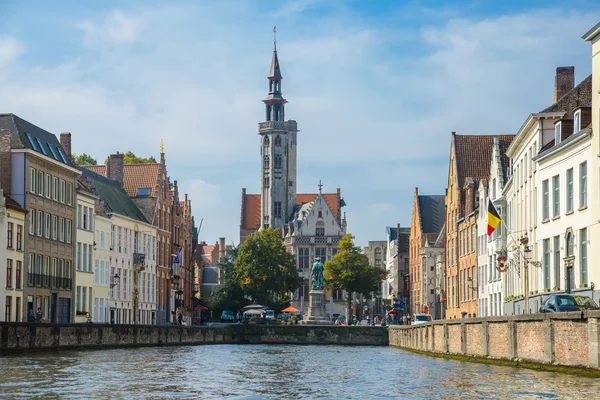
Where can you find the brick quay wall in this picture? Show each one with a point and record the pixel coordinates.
(20, 337)
(554, 339)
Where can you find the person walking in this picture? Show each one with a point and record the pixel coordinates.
(180, 319)
(40, 315)
(30, 316)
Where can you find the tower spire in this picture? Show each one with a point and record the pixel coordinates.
(275, 102)
(275, 38)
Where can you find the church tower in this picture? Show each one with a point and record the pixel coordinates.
(278, 152)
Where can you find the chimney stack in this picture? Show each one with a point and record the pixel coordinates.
(65, 142)
(563, 82)
(221, 248)
(114, 168)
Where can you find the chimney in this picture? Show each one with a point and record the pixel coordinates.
(65, 142)
(564, 81)
(114, 168)
(221, 248)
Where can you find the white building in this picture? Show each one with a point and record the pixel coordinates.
(132, 254)
(102, 277)
(490, 248)
(524, 280)
(84, 261)
(593, 36)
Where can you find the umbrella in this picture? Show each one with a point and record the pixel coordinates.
(394, 311)
(290, 309)
(254, 312)
(253, 307)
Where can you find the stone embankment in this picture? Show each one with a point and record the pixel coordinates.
(18, 337)
(557, 339)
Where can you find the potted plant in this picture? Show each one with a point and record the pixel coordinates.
(546, 289)
(555, 289)
(583, 285)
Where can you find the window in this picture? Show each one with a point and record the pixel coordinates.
(69, 231)
(79, 217)
(266, 160)
(85, 218)
(62, 191)
(321, 253)
(267, 142)
(9, 236)
(556, 196)
(61, 230)
(570, 190)
(47, 227)
(40, 223)
(55, 189)
(48, 185)
(32, 177)
(569, 244)
(143, 191)
(277, 161)
(8, 307)
(557, 129)
(320, 229)
(278, 141)
(54, 227)
(19, 237)
(32, 222)
(266, 182)
(79, 256)
(40, 183)
(277, 209)
(556, 261)
(18, 273)
(69, 193)
(546, 261)
(583, 255)
(577, 121)
(9, 267)
(583, 185)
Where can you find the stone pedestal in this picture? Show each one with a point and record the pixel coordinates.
(316, 309)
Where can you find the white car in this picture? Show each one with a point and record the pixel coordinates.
(417, 319)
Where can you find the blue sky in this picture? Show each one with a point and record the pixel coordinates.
(375, 86)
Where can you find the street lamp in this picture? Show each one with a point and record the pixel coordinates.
(527, 252)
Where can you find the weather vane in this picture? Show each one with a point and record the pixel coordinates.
(275, 37)
(320, 186)
(162, 146)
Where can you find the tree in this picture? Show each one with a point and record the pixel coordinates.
(130, 158)
(350, 271)
(84, 159)
(228, 295)
(265, 270)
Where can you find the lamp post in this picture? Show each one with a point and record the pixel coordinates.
(527, 253)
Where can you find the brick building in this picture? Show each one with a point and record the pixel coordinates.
(36, 172)
(470, 157)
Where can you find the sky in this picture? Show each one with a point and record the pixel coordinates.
(375, 86)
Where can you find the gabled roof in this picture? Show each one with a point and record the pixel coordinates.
(26, 135)
(11, 203)
(473, 154)
(113, 195)
(579, 96)
(432, 211)
(135, 176)
(393, 232)
(251, 212)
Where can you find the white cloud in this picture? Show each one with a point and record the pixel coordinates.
(10, 49)
(117, 27)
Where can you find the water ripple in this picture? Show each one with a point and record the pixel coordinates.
(274, 372)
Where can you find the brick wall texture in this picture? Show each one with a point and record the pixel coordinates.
(475, 340)
(499, 340)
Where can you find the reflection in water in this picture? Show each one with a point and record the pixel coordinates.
(274, 372)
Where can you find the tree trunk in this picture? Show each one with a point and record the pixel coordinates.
(349, 312)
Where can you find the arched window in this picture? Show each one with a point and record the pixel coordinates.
(277, 161)
(569, 244)
(266, 162)
(320, 228)
(277, 141)
(267, 142)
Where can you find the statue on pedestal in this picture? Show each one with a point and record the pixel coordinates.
(316, 273)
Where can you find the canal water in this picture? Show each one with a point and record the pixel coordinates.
(274, 372)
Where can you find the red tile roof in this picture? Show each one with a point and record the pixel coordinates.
(473, 155)
(135, 176)
(251, 213)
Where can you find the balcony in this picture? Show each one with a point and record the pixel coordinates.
(278, 125)
(317, 240)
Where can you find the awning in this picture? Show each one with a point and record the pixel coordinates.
(200, 308)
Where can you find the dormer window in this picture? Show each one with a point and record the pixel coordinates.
(577, 121)
(557, 129)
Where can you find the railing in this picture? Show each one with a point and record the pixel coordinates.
(49, 281)
(283, 125)
(317, 240)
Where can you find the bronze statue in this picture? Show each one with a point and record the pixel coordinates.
(317, 275)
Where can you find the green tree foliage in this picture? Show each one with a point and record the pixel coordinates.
(130, 158)
(229, 295)
(85, 159)
(349, 270)
(264, 270)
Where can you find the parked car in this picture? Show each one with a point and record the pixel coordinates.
(417, 319)
(270, 314)
(567, 302)
(227, 316)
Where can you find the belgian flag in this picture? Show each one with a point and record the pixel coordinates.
(493, 218)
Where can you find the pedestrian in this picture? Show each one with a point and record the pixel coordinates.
(30, 316)
(40, 315)
(180, 318)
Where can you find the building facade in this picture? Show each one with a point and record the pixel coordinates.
(41, 178)
(102, 277)
(12, 228)
(395, 291)
(84, 264)
(428, 216)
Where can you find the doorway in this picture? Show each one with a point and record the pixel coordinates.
(569, 277)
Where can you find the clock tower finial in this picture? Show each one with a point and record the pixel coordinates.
(162, 146)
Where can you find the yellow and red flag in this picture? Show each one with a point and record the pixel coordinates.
(493, 218)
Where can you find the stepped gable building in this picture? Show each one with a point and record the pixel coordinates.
(428, 217)
(149, 186)
(470, 157)
(311, 223)
(38, 174)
